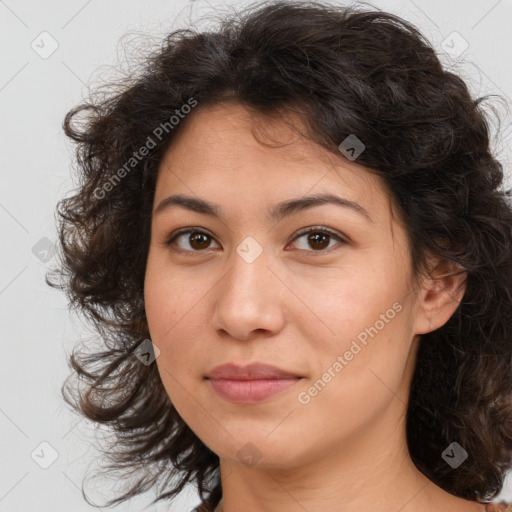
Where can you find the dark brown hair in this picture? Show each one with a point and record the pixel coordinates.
(344, 70)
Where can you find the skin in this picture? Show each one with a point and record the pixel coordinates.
(296, 306)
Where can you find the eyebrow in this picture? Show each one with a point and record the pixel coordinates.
(277, 213)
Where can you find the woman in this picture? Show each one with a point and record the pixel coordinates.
(293, 239)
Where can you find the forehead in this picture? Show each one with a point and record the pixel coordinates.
(226, 148)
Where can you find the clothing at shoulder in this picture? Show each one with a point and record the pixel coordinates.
(207, 508)
(502, 506)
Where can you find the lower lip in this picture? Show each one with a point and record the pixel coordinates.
(250, 391)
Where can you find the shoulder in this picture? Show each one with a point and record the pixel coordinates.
(502, 506)
(205, 507)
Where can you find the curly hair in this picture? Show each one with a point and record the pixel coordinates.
(344, 70)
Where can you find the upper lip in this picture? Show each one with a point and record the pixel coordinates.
(249, 372)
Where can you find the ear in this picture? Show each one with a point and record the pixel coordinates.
(439, 296)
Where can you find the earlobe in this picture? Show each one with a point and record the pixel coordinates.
(439, 296)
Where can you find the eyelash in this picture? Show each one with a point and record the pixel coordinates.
(304, 231)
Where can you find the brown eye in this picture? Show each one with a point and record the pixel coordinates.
(318, 239)
(199, 241)
(195, 241)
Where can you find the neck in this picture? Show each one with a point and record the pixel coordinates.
(371, 471)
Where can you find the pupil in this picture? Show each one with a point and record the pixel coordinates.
(315, 238)
(195, 237)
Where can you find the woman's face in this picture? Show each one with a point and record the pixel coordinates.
(338, 314)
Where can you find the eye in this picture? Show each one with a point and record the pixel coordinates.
(198, 240)
(319, 237)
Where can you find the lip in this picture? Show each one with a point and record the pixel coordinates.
(251, 371)
(251, 383)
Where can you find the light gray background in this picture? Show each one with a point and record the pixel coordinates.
(36, 91)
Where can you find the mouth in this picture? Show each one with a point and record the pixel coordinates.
(248, 391)
(253, 371)
(251, 383)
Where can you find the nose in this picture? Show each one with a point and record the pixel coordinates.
(249, 300)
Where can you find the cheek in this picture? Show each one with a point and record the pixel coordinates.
(357, 377)
(338, 307)
(166, 300)
(364, 322)
(172, 325)
(163, 313)
(176, 320)
(160, 310)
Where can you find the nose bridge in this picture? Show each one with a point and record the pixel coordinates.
(246, 299)
(249, 271)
